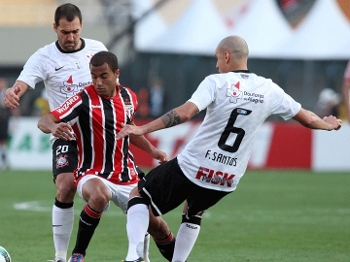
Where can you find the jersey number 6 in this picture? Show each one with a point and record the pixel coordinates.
(230, 128)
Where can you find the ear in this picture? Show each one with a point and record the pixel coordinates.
(227, 57)
(54, 27)
(117, 73)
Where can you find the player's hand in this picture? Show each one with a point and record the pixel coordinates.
(11, 99)
(129, 130)
(160, 156)
(334, 122)
(63, 131)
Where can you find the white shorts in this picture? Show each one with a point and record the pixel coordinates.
(119, 193)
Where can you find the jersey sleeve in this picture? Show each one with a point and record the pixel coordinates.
(69, 110)
(103, 47)
(284, 105)
(204, 94)
(34, 70)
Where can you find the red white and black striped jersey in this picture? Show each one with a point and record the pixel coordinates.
(97, 120)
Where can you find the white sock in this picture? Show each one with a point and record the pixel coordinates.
(136, 227)
(185, 240)
(146, 247)
(62, 226)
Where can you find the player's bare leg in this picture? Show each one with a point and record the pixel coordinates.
(162, 235)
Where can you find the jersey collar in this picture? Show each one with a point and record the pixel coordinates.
(81, 48)
(241, 71)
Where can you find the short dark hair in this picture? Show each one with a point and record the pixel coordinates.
(102, 57)
(68, 11)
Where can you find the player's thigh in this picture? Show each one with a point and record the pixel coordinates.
(95, 187)
(64, 157)
(165, 187)
(202, 199)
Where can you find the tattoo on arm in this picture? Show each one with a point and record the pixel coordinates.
(171, 119)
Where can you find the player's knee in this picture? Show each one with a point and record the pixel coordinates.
(195, 219)
(137, 201)
(64, 184)
(65, 191)
(65, 194)
(98, 201)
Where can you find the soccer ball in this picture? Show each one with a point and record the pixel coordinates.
(4, 255)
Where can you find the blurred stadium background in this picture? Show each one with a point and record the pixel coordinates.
(303, 45)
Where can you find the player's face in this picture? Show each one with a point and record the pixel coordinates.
(104, 80)
(221, 63)
(68, 34)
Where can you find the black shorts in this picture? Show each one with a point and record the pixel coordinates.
(166, 187)
(64, 157)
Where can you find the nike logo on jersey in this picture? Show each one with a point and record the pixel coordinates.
(59, 68)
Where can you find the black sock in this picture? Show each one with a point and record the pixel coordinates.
(166, 247)
(89, 220)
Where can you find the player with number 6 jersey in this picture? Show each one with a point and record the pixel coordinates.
(237, 102)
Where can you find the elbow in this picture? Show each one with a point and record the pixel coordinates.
(185, 115)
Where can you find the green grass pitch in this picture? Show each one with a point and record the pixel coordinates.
(279, 215)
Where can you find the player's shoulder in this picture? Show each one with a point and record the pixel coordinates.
(91, 43)
(42, 53)
(46, 49)
(225, 77)
(241, 79)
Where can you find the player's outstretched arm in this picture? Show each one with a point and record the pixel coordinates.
(174, 117)
(311, 120)
(144, 144)
(13, 94)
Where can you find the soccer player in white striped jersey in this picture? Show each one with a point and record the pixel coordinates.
(210, 166)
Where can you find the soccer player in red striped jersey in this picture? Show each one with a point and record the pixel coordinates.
(106, 168)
